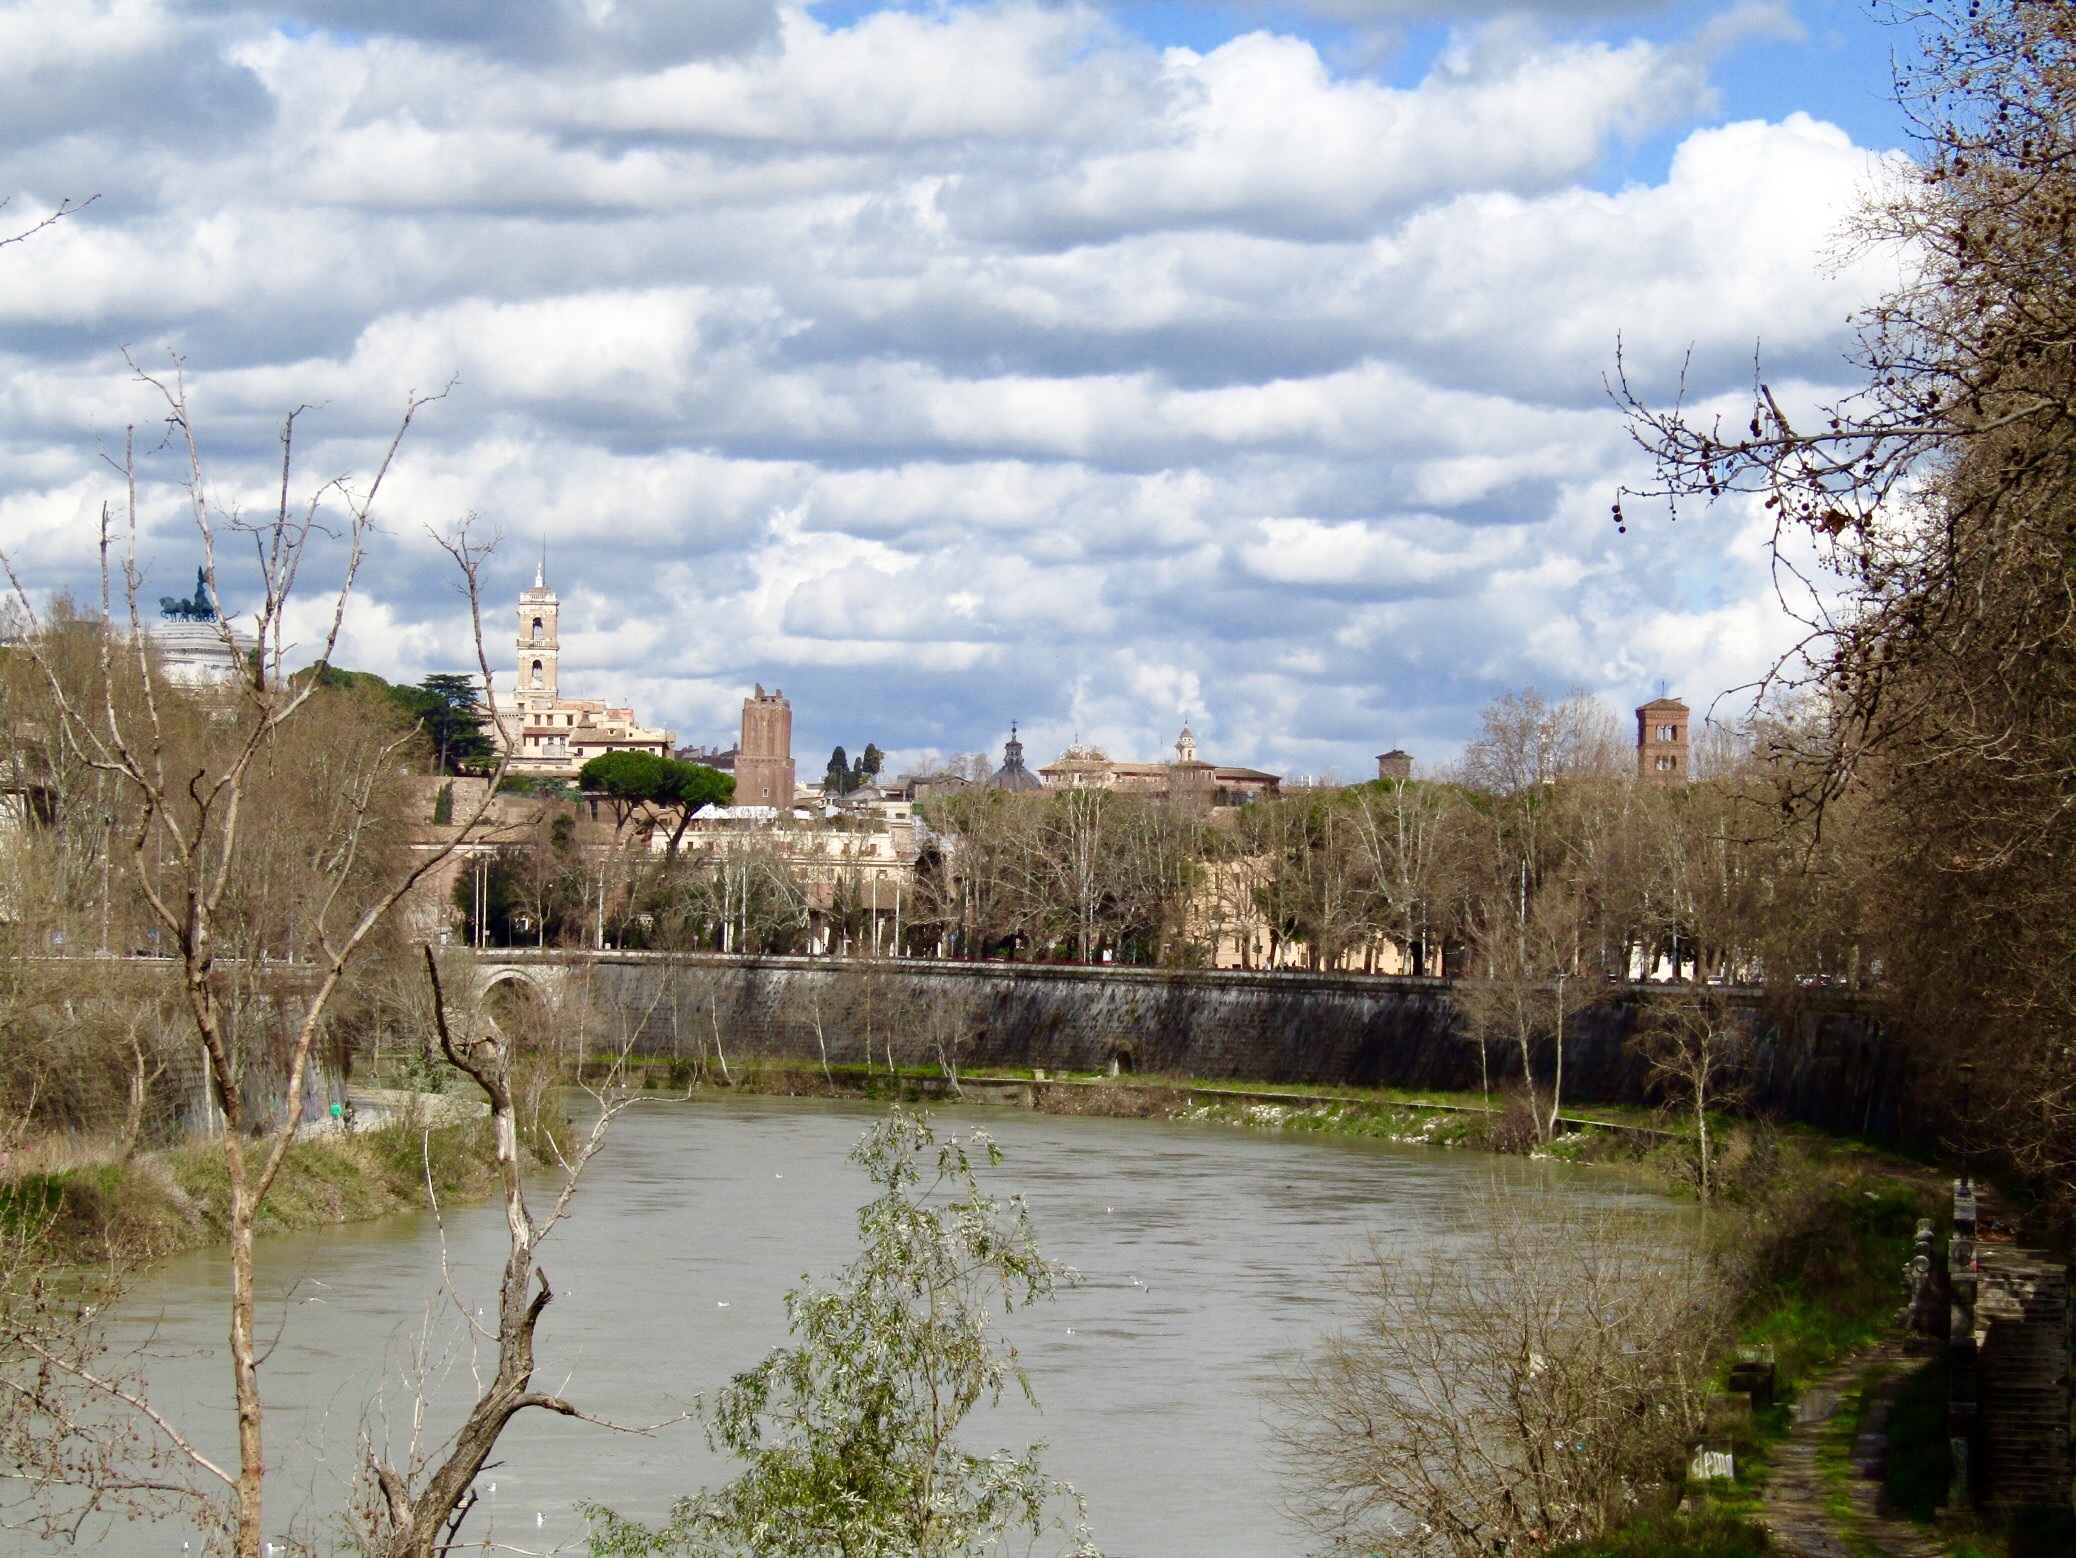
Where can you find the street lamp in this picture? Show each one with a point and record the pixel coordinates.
(1967, 1100)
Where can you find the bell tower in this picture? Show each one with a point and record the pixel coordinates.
(1661, 742)
(538, 609)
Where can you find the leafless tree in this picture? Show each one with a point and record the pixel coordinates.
(1071, 855)
(1511, 1398)
(1528, 742)
(1528, 985)
(416, 1509)
(1697, 1045)
(1939, 659)
(189, 840)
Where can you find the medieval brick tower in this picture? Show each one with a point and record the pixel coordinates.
(1396, 764)
(1661, 742)
(538, 609)
(764, 762)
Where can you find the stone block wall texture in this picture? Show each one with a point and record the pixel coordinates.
(2022, 1377)
(1827, 1063)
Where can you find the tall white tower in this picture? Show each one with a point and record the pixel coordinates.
(538, 609)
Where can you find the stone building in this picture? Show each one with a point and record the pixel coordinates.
(1087, 767)
(552, 736)
(1395, 764)
(198, 654)
(764, 756)
(1661, 741)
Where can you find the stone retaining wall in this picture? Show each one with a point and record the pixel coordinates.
(1826, 1063)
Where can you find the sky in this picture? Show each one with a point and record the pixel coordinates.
(1094, 366)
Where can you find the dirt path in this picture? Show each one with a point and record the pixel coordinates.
(1801, 1503)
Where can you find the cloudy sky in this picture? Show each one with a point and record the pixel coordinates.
(1097, 366)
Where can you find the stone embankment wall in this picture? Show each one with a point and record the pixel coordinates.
(1825, 1063)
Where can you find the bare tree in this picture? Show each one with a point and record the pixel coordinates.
(1939, 656)
(1528, 741)
(189, 841)
(1403, 832)
(416, 1510)
(1072, 856)
(1512, 1399)
(64, 208)
(1697, 1046)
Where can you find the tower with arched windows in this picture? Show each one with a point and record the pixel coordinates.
(552, 736)
(1661, 741)
(538, 609)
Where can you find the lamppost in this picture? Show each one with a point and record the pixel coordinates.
(1967, 1099)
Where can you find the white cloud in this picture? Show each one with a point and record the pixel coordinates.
(953, 365)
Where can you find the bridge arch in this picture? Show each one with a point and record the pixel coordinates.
(506, 991)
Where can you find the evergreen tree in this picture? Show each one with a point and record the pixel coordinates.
(449, 710)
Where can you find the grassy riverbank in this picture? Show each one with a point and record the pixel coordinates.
(1413, 1117)
(105, 1208)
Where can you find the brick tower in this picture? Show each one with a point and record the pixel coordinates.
(1661, 741)
(764, 763)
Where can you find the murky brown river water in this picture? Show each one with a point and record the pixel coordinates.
(1210, 1257)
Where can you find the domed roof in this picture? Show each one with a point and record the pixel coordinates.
(1012, 775)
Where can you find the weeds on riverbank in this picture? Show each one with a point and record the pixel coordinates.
(129, 1210)
(1713, 1534)
(1818, 1247)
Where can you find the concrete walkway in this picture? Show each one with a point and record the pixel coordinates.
(1799, 1500)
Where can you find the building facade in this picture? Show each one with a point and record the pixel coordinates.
(764, 756)
(1083, 767)
(550, 736)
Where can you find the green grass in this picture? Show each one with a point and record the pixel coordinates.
(1711, 1534)
(1828, 1250)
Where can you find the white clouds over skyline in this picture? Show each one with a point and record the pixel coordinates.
(946, 366)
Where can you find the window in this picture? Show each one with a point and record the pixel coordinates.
(538, 679)
(536, 630)
(1668, 732)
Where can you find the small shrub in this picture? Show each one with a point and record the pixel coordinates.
(1515, 1127)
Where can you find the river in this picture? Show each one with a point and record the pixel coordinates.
(1209, 1257)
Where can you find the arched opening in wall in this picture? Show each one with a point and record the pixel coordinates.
(519, 1010)
(539, 678)
(1121, 1060)
(537, 626)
